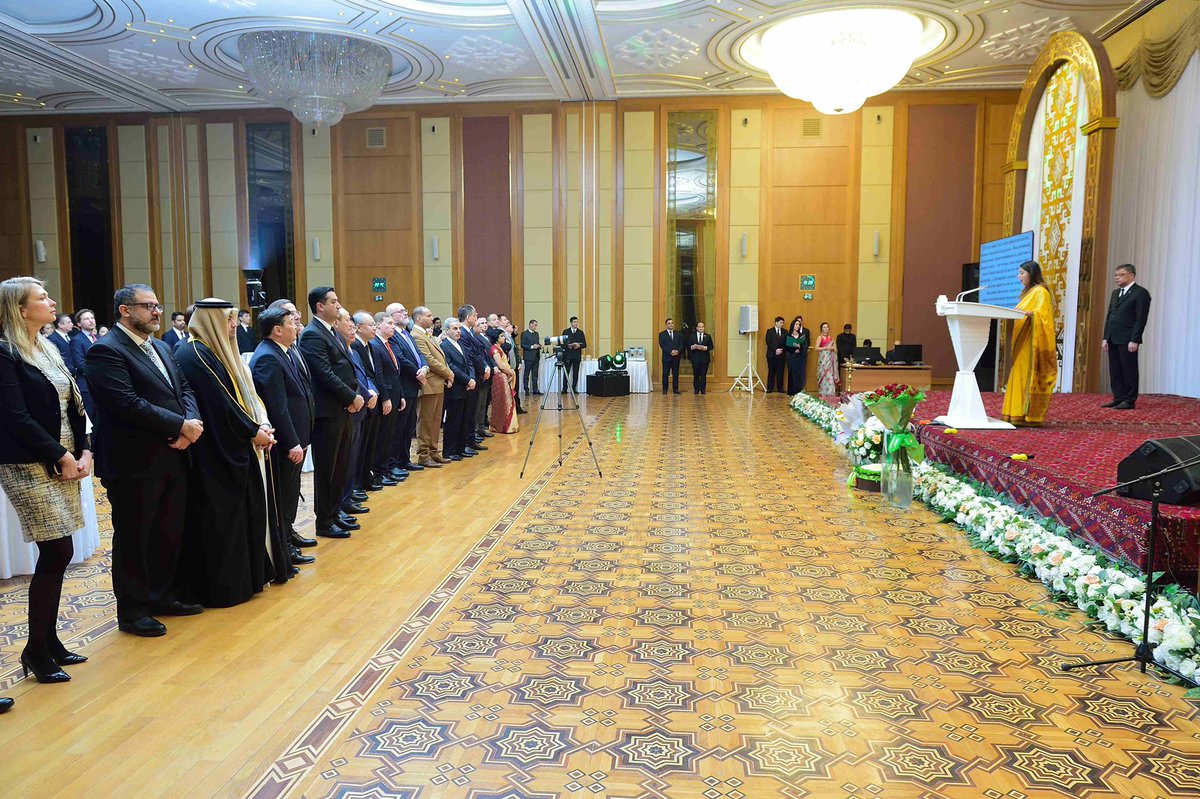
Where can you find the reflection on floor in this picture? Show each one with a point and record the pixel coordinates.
(720, 617)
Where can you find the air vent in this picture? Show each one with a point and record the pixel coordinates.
(377, 138)
(812, 127)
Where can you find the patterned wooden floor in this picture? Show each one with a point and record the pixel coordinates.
(720, 618)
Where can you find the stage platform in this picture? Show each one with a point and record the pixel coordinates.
(1073, 455)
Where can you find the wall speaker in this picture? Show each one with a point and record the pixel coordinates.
(433, 248)
(1180, 487)
(745, 244)
(748, 319)
(316, 248)
(39, 251)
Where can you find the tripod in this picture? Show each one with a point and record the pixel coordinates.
(560, 374)
(1144, 653)
(748, 378)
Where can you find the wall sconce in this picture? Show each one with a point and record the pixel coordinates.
(876, 247)
(745, 244)
(433, 248)
(39, 251)
(316, 248)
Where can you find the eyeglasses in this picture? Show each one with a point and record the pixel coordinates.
(149, 306)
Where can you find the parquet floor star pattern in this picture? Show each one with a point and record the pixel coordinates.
(720, 617)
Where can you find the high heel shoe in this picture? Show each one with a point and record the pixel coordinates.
(53, 674)
(64, 657)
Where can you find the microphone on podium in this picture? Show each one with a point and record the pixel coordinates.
(971, 291)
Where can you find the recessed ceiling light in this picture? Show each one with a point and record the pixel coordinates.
(420, 83)
(171, 21)
(240, 86)
(1004, 11)
(760, 16)
(364, 30)
(160, 30)
(18, 94)
(193, 37)
(447, 58)
(153, 40)
(412, 30)
(456, 80)
(341, 13)
(191, 66)
(987, 2)
(956, 11)
(918, 74)
(947, 66)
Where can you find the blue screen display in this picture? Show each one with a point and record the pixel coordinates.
(998, 262)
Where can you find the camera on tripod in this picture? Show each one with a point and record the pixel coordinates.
(559, 344)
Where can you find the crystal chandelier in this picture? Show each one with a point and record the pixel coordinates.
(319, 77)
(837, 59)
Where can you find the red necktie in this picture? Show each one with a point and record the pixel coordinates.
(387, 346)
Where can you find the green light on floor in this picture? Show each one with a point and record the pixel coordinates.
(618, 434)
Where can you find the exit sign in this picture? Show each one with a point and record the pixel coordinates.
(378, 285)
(808, 282)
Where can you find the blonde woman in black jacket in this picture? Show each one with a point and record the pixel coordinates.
(44, 453)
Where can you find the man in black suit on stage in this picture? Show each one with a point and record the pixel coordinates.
(700, 346)
(670, 344)
(1128, 310)
(289, 402)
(175, 332)
(335, 391)
(776, 356)
(574, 343)
(245, 336)
(146, 418)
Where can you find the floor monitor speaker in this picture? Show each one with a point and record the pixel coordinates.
(1180, 487)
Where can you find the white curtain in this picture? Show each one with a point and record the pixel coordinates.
(1156, 226)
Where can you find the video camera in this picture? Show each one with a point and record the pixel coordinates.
(555, 341)
(256, 296)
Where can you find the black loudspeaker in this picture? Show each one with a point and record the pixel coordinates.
(1180, 487)
(608, 384)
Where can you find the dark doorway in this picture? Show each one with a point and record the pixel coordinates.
(89, 209)
(269, 175)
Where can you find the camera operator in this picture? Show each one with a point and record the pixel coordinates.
(574, 343)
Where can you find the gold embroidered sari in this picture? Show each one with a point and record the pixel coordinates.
(1034, 361)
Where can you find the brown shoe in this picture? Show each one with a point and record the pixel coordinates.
(430, 465)
(439, 459)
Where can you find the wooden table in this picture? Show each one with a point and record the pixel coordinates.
(859, 378)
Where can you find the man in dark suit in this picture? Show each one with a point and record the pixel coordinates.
(362, 427)
(776, 356)
(61, 337)
(700, 346)
(335, 391)
(364, 477)
(1128, 310)
(146, 418)
(391, 401)
(85, 336)
(847, 342)
(574, 343)
(412, 377)
(670, 344)
(245, 336)
(486, 362)
(478, 350)
(531, 353)
(289, 402)
(457, 425)
(175, 333)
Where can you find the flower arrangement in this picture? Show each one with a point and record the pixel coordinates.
(1073, 571)
(866, 442)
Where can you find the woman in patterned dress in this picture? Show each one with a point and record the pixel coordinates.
(826, 363)
(503, 416)
(44, 453)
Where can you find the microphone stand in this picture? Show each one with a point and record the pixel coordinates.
(1143, 654)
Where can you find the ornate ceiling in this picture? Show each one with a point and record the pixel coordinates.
(181, 55)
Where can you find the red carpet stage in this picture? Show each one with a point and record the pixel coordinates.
(1074, 454)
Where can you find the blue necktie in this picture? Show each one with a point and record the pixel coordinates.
(408, 340)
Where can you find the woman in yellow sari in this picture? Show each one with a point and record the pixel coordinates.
(1034, 353)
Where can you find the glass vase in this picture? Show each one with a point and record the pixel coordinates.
(896, 484)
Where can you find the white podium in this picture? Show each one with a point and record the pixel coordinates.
(970, 324)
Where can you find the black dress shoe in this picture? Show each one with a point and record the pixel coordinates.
(352, 508)
(293, 570)
(300, 558)
(6, 704)
(146, 626)
(676, 391)
(299, 541)
(43, 671)
(412, 467)
(397, 473)
(1125, 406)
(377, 485)
(346, 517)
(359, 496)
(478, 447)
(468, 453)
(178, 608)
(1112, 404)
(385, 482)
(486, 433)
(454, 458)
(333, 531)
(346, 524)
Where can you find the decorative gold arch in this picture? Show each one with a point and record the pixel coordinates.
(1087, 54)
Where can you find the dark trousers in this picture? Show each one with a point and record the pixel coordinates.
(483, 403)
(797, 364)
(1123, 372)
(331, 439)
(533, 369)
(147, 518)
(469, 433)
(287, 489)
(670, 368)
(452, 428)
(366, 452)
(359, 424)
(384, 456)
(699, 375)
(570, 372)
(406, 431)
(775, 366)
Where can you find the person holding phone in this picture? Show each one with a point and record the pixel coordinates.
(44, 453)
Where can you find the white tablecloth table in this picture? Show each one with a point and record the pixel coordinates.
(639, 376)
(17, 557)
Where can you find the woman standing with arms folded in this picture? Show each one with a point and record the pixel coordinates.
(826, 363)
(1034, 353)
(796, 349)
(44, 453)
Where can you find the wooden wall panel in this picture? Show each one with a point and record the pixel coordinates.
(16, 246)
